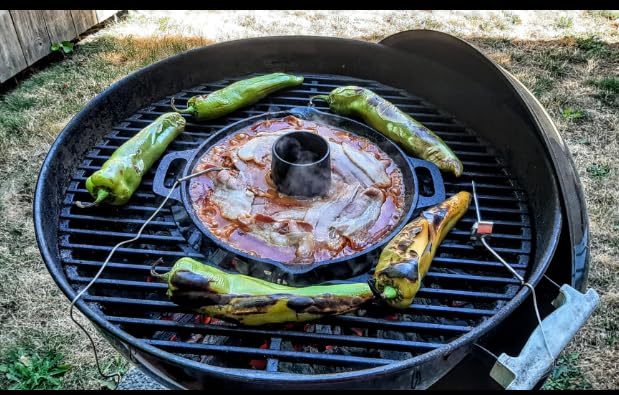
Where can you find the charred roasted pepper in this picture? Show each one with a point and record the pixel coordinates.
(400, 127)
(406, 259)
(250, 301)
(121, 174)
(236, 95)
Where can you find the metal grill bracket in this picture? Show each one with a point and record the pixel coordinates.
(533, 362)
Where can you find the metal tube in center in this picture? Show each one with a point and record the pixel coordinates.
(301, 164)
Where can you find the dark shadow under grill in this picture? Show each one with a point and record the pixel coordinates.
(464, 287)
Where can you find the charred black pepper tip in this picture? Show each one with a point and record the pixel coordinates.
(299, 303)
(408, 270)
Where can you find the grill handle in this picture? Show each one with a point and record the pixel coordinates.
(523, 372)
(437, 183)
(162, 171)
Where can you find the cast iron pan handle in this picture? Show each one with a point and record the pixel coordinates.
(162, 170)
(437, 182)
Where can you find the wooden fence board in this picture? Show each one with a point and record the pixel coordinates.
(26, 35)
(104, 14)
(84, 19)
(12, 59)
(59, 25)
(32, 33)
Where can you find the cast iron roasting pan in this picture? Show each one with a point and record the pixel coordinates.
(300, 274)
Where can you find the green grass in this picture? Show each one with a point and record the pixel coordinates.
(248, 21)
(163, 23)
(571, 114)
(598, 171)
(488, 24)
(429, 23)
(583, 141)
(32, 371)
(566, 375)
(542, 85)
(608, 89)
(608, 84)
(593, 47)
(514, 19)
(565, 22)
(606, 14)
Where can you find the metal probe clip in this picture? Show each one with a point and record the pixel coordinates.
(480, 228)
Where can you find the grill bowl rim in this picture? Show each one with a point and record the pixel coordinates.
(53, 266)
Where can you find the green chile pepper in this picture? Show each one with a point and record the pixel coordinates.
(385, 117)
(251, 301)
(406, 259)
(122, 173)
(236, 95)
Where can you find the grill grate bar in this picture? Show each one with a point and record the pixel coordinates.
(459, 261)
(459, 185)
(457, 232)
(450, 310)
(524, 250)
(132, 207)
(467, 277)
(334, 340)
(439, 262)
(291, 356)
(393, 325)
(136, 195)
(114, 220)
(140, 251)
(524, 223)
(126, 235)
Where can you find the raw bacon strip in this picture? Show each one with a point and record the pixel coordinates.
(374, 168)
(284, 234)
(231, 196)
(322, 215)
(257, 149)
(360, 214)
(346, 168)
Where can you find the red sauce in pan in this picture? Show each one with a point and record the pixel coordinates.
(247, 232)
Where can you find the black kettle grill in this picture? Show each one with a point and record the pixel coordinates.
(470, 305)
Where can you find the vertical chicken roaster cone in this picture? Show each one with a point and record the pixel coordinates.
(228, 257)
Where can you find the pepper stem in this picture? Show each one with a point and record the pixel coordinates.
(164, 276)
(389, 293)
(320, 97)
(102, 194)
(188, 110)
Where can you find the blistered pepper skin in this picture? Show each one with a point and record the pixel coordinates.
(238, 94)
(120, 176)
(251, 301)
(395, 124)
(407, 257)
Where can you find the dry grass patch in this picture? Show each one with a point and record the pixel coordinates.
(33, 311)
(573, 78)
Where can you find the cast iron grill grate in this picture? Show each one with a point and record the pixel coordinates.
(464, 287)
